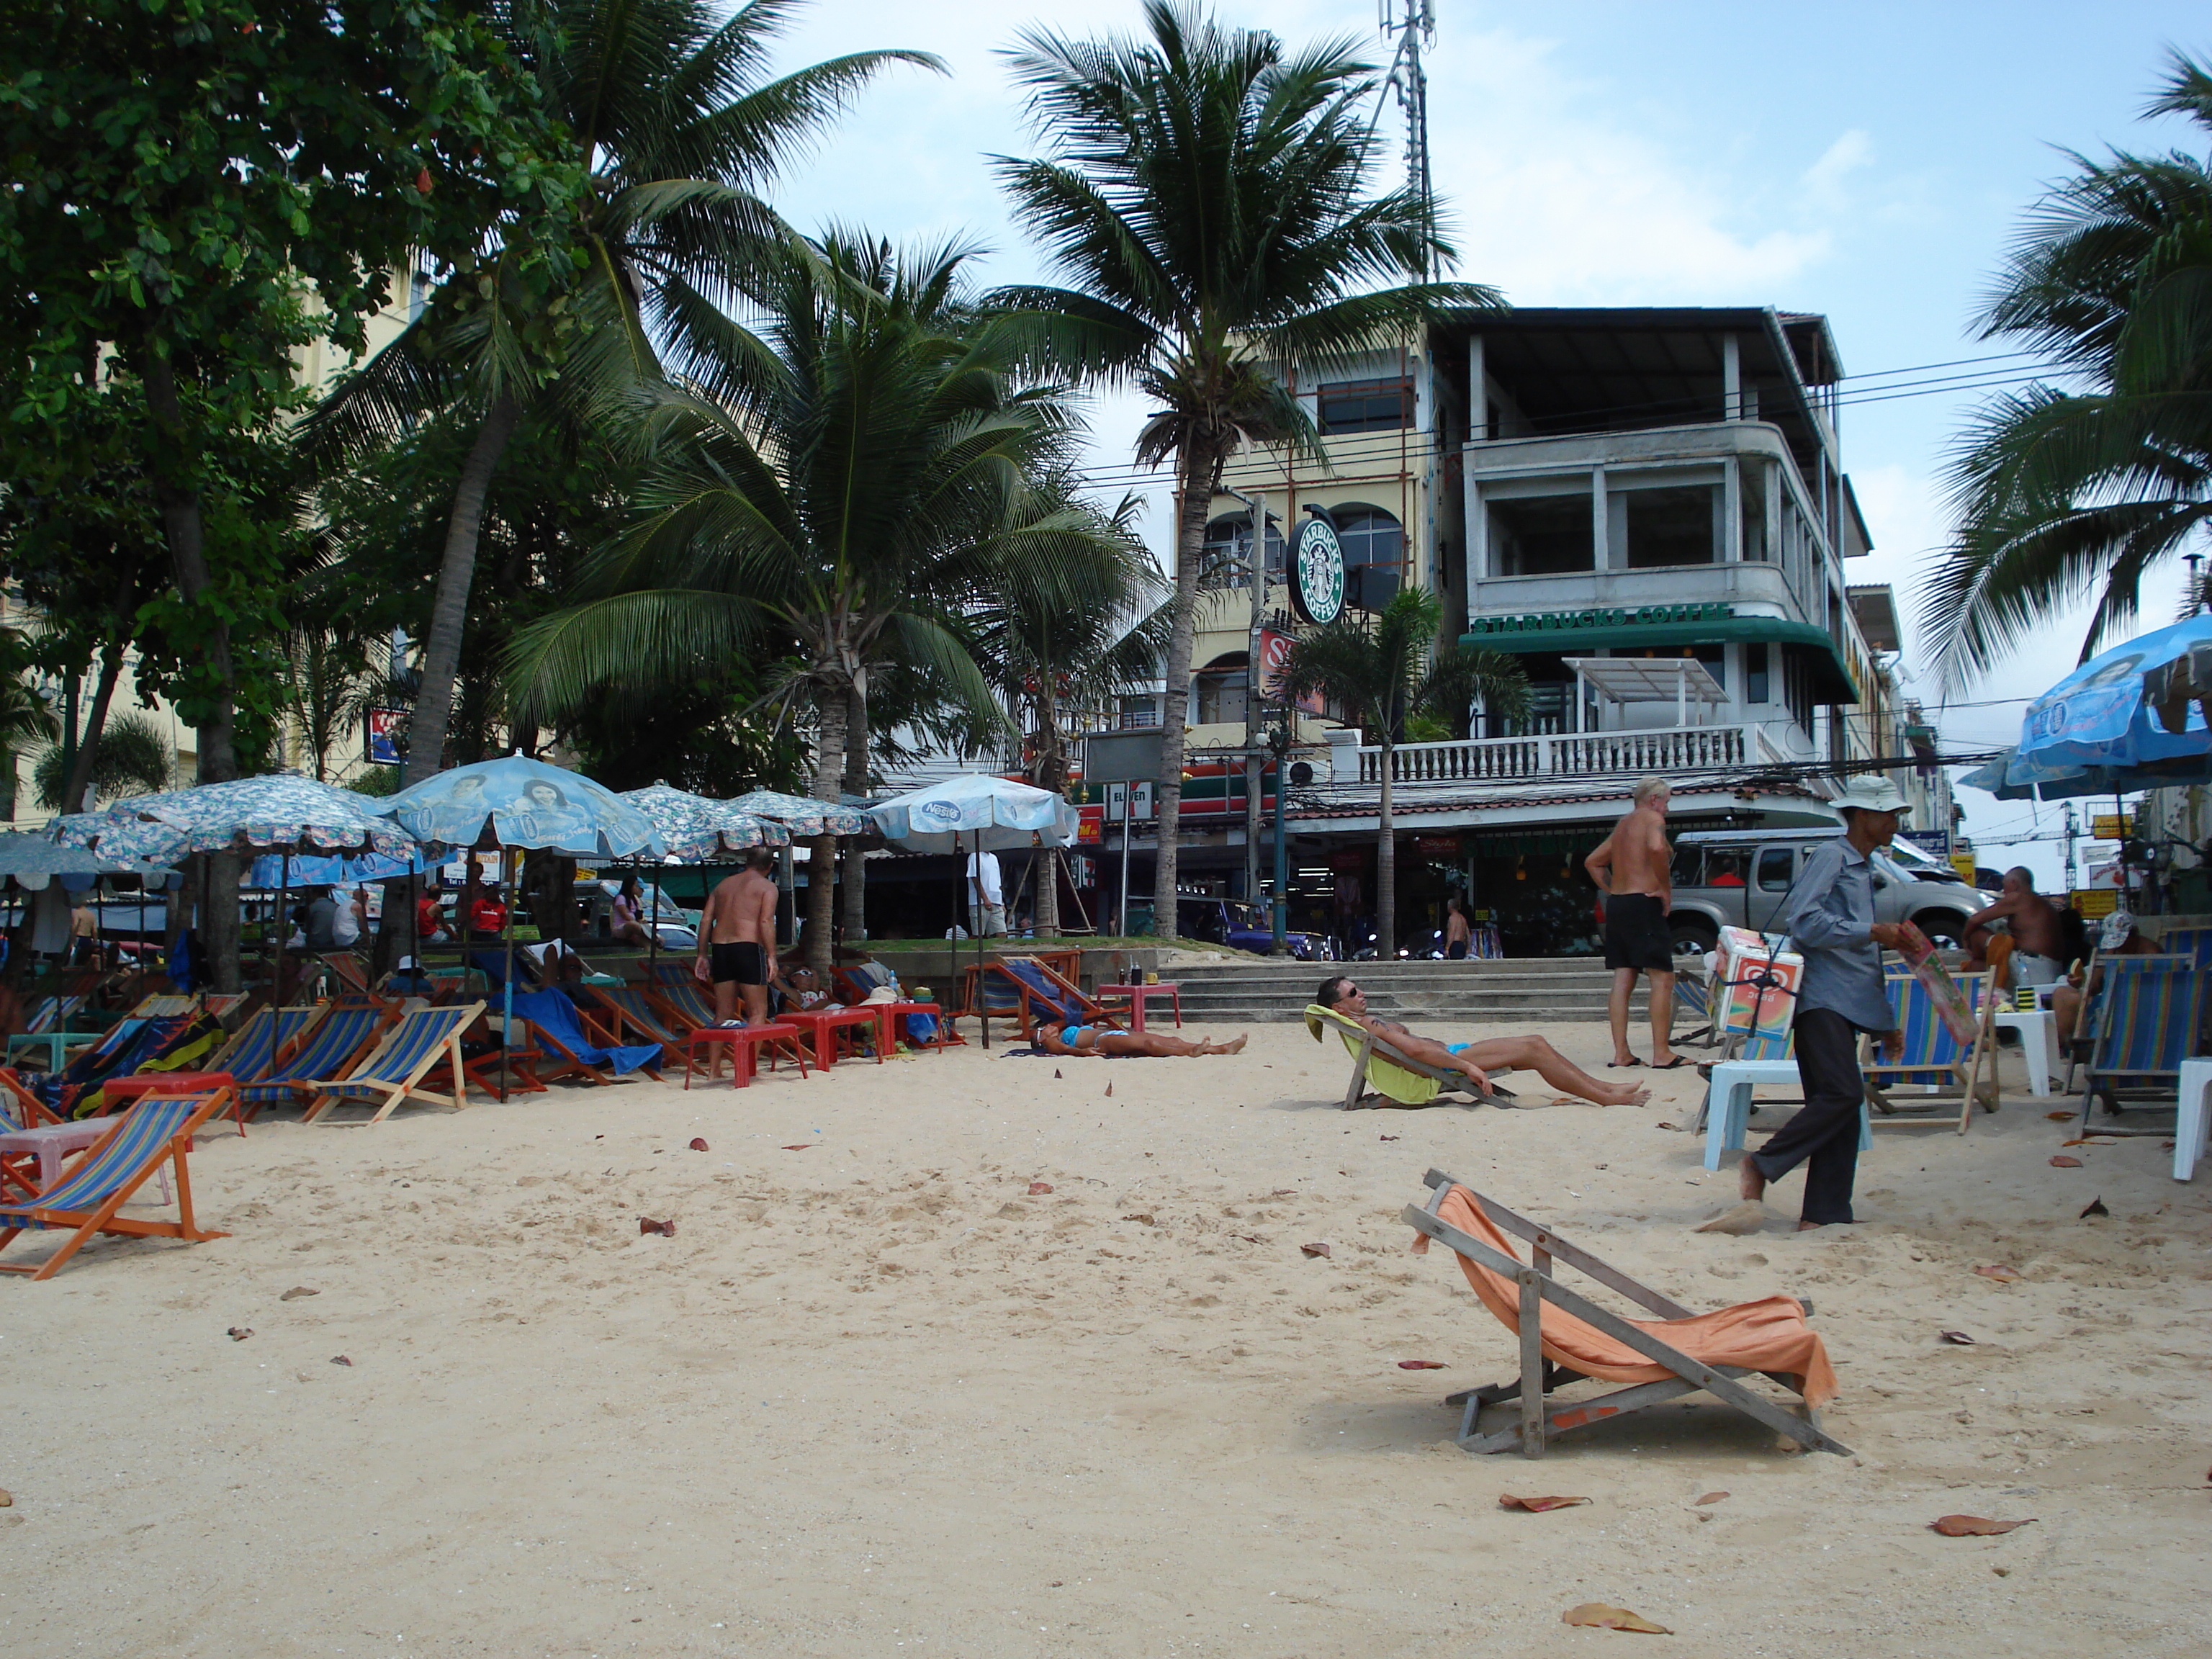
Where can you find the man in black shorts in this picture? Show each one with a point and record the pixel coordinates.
(736, 941)
(1631, 866)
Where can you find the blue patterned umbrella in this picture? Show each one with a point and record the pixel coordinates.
(694, 828)
(34, 860)
(520, 802)
(803, 817)
(275, 812)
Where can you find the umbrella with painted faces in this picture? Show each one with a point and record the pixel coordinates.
(805, 817)
(2137, 709)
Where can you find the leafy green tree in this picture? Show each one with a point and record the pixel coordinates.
(2066, 494)
(131, 755)
(1207, 195)
(1381, 670)
(669, 101)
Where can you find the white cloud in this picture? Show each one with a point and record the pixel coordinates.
(1850, 152)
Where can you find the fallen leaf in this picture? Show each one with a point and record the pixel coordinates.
(1712, 1498)
(2095, 1206)
(1145, 1215)
(1315, 1250)
(2060, 1161)
(2060, 1117)
(7, 1500)
(698, 1144)
(1599, 1616)
(1391, 1137)
(1284, 1191)
(2000, 1272)
(2090, 1141)
(1537, 1505)
(646, 1225)
(1109, 1091)
(1252, 1238)
(1420, 1365)
(1956, 1338)
(1972, 1526)
(240, 1333)
(296, 1292)
(1055, 1073)
(1669, 1126)
(1036, 1187)
(340, 1359)
(800, 1147)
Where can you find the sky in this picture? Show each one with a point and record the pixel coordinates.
(1869, 162)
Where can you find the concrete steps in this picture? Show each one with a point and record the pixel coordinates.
(1534, 989)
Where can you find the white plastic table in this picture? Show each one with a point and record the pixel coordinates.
(1728, 1115)
(2037, 1029)
(2191, 1128)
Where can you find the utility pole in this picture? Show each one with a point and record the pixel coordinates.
(1414, 27)
(2071, 881)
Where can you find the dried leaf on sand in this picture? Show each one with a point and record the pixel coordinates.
(1315, 1250)
(1036, 1187)
(1537, 1505)
(2060, 1161)
(1599, 1616)
(2001, 1273)
(296, 1292)
(1420, 1365)
(1957, 1338)
(698, 1144)
(1973, 1526)
(240, 1333)
(2095, 1206)
(1712, 1498)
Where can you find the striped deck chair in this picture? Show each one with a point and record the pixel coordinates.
(2146, 1020)
(1933, 1056)
(330, 1049)
(634, 1019)
(571, 1046)
(88, 1195)
(421, 1040)
(267, 1034)
(1694, 1000)
(164, 1007)
(1039, 991)
(2194, 943)
(685, 1001)
(348, 968)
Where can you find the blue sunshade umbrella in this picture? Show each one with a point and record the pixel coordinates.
(32, 861)
(2137, 707)
(803, 817)
(274, 812)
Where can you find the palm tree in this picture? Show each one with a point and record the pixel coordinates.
(667, 103)
(1378, 671)
(1206, 196)
(2064, 494)
(863, 481)
(132, 754)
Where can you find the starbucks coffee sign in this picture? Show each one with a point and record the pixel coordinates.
(1317, 572)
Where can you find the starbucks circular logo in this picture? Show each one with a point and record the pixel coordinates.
(1317, 572)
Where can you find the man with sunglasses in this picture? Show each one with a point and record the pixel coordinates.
(1478, 1060)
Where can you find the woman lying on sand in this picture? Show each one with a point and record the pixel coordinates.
(1089, 1042)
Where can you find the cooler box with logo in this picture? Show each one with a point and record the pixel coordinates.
(1755, 986)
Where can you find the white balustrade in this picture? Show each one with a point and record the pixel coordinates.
(1474, 760)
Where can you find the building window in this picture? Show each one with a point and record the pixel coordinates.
(1228, 543)
(1663, 527)
(1365, 406)
(1715, 658)
(1541, 535)
(1754, 672)
(1139, 712)
(1218, 691)
(1370, 536)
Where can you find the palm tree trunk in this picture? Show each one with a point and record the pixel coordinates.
(821, 851)
(449, 609)
(86, 762)
(1199, 466)
(1386, 870)
(853, 896)
(1052, 774)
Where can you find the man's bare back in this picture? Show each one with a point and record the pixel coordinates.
(736, 943)
(1636, 857)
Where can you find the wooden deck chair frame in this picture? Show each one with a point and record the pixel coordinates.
(1027, 996)
(565, 1061)
(302, 1046)
(408, 1086)
(625, 1019)
(1367, 1049)
(2108, 1082)
(1541, 1421)
(1917, 1111)
(174, 1150)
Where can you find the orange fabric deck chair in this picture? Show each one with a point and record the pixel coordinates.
(1565, 1337)
(88, 1195)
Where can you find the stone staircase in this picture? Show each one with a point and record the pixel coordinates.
(1529, 989)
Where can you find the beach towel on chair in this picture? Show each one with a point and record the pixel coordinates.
(554, 1012)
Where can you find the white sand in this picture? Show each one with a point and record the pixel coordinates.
(873, 1398)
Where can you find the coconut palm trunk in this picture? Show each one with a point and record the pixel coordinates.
(449, 608)
(821, 851)
(1201, 470)
(852, 898)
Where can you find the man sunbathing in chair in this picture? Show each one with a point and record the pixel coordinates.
(1477, 1060)
(1091, 1042)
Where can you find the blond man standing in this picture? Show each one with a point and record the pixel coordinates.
(1631, 868)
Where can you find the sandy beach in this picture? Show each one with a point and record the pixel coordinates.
(875, 1395)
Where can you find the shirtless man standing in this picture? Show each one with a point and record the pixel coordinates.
(1631, 868)
(736, 941)
(1478, 1060)
(2039, 941)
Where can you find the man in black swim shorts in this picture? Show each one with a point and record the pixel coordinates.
(736, 941)
(1632, 868)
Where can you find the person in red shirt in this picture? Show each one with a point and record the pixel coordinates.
(487, 911)
(429, 917)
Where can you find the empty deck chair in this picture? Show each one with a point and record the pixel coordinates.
(90, 1193)
(1566, 1338)
(568, 1047)
(685, 1001)
(1379, 1066)
(329, 1049)
(267, 1034)
(421, 1040)
(2148, 1017)
(633, 1018)
(1961, 1072)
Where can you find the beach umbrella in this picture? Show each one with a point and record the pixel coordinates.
(2138, 707)
(804, 817)
(520, 804)
(334, 869)
(32, 860)
(692, 828)
(1997, 777)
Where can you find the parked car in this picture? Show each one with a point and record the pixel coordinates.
(1742, 878)
(1243, 927)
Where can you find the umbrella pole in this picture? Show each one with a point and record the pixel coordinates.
(653, 931)
(283, 938)
(507, 1004)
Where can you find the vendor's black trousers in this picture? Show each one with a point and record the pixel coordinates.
(1824, 1135)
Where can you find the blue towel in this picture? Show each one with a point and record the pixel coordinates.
(556, 1014)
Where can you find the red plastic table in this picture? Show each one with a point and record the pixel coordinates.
(891, 1012)
(1137, 993)
(745, 1043)
(174, 1083)
(826, 1023)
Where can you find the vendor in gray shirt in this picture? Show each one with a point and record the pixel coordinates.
(1830, 916)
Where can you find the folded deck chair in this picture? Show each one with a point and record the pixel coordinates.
(88, 1195)
(1961, 1072)
(633, 1018)
(2148, 1014)
(571, 1049)
(1694, 1000)
(419, 1041)
(1564, 1337)
(168, 1042)
(1379, 1066)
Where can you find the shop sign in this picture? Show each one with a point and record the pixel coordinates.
(1274, 657)
(1317, 572)
(384, 725)
(1436, 846)
(1348, 859)
(1964, 864)
(1934, 842)
(1649, 616)
(2110, 826)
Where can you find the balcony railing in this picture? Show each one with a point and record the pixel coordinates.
(1478, 760)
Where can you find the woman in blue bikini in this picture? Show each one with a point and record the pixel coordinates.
(1089, 1042)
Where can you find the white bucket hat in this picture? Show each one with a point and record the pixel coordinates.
(1870, 792)
(2113, 932)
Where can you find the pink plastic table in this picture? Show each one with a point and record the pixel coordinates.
(1137, 993)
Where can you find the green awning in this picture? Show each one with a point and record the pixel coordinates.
(1832, 685)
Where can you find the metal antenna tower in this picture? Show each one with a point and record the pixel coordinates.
(1413, 25)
